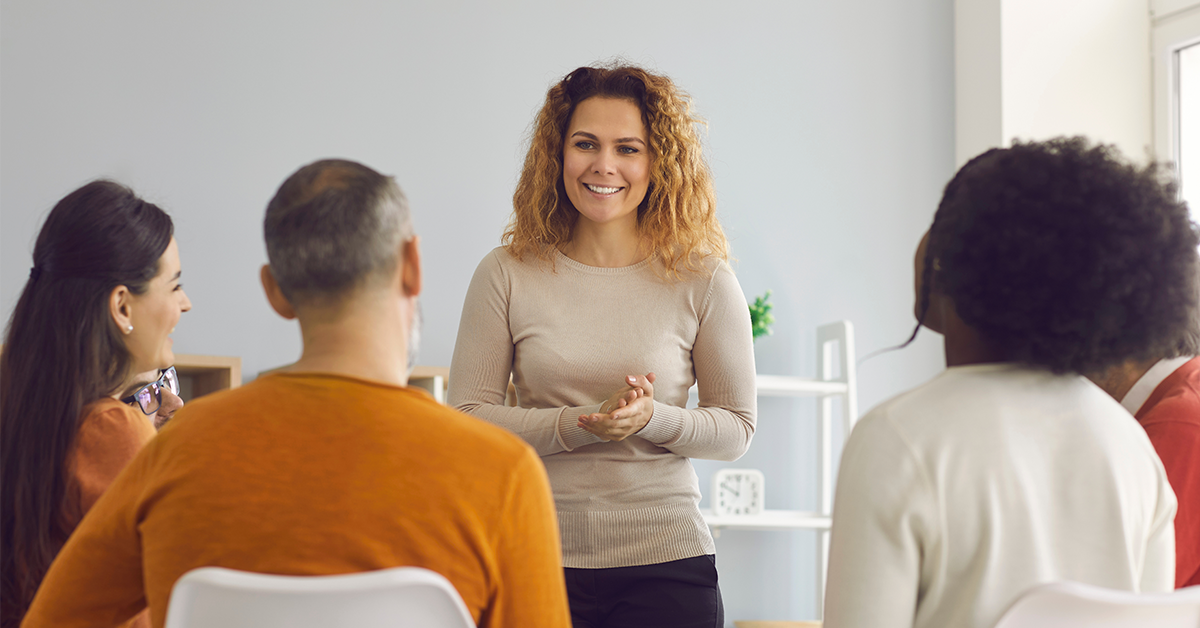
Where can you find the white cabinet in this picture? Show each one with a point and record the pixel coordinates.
(432, 378)
(833, 340)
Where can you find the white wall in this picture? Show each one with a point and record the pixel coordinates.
(978, 114)
(1043, 68)
(1168, 8)
(831, 135)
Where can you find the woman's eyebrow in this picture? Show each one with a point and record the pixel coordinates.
(620, 140)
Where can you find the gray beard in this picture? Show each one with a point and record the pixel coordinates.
(414, 336)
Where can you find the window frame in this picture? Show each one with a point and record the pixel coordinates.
(1175, 25)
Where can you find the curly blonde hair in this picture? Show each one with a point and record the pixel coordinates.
(678, 217)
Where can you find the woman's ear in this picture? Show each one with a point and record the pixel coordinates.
(926, 306)
(120, 307)
(275, 297)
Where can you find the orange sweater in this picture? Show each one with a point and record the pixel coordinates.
(110, 435)
(317, 474)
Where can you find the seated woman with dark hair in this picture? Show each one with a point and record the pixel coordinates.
(103, 295)
(1010, 469)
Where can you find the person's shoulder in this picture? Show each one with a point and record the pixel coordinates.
(1177, 398)
(470, 434)
(474, 444)
(882, 418)
(703, 268)
(107, 408)
(216, 402)
(261, 396)
(918, 400)
(500, 265)
(108, 413)
(702, 275)
(958, 398)
(110, 427)
(446, 426)
(502, 258)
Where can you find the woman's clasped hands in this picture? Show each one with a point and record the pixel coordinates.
(624, 413)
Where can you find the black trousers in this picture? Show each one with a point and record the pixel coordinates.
(678, 594)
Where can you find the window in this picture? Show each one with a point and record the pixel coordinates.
(1176, 37)
(1188, 134)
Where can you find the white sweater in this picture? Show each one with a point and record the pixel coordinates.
(956, 497)
(569, 336)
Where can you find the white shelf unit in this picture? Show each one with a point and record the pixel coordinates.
(432, 378)
(834, 339)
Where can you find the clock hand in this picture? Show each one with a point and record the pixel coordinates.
(730, 489)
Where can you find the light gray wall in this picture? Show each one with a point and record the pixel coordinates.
(831, 135)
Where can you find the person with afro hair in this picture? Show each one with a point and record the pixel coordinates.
(1046, 261)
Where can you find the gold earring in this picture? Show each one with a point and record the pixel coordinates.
(937, 264)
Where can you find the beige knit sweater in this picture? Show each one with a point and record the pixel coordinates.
(569, 335)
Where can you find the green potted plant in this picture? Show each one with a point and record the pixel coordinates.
(760, 316)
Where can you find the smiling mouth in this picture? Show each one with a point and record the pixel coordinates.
(598, 189)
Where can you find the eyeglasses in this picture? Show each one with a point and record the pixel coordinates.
(149, 397)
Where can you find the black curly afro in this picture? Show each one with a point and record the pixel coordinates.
(1066, 256)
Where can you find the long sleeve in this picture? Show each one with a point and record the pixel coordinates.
(109, 437)
(106, 542)
(529, 555)
(482, 365)
(1158, 568)
(282, 476)
(1171, 418)
(722, 426)
(1177, 444)
(569, 334)
(883, 510)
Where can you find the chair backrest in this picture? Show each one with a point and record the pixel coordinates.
(1076, 605)
(401, 597)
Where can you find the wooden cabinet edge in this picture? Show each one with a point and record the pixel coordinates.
(209, 373)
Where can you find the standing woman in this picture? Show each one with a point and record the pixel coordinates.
(102, 296)
(610, 297)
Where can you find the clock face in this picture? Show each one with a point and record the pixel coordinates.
(737, 492)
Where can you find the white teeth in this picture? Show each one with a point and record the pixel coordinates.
(600, 190)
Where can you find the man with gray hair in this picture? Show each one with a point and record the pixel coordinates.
(331, 465)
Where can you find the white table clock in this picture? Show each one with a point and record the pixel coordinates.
(737, 492)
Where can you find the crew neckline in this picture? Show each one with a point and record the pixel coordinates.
(989, 366)
(600, 270)
(341, 376)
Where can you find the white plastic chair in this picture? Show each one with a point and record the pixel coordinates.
(1077, 605)
(401, 597)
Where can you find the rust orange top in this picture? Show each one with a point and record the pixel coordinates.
(110, 435)
(317, 474)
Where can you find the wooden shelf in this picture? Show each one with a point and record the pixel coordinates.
(203, 374)
(768, 520)
(200, 375)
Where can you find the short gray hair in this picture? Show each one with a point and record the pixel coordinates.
(334, 225)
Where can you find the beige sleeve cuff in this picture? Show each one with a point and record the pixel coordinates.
(570, 435)
(665, 426)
